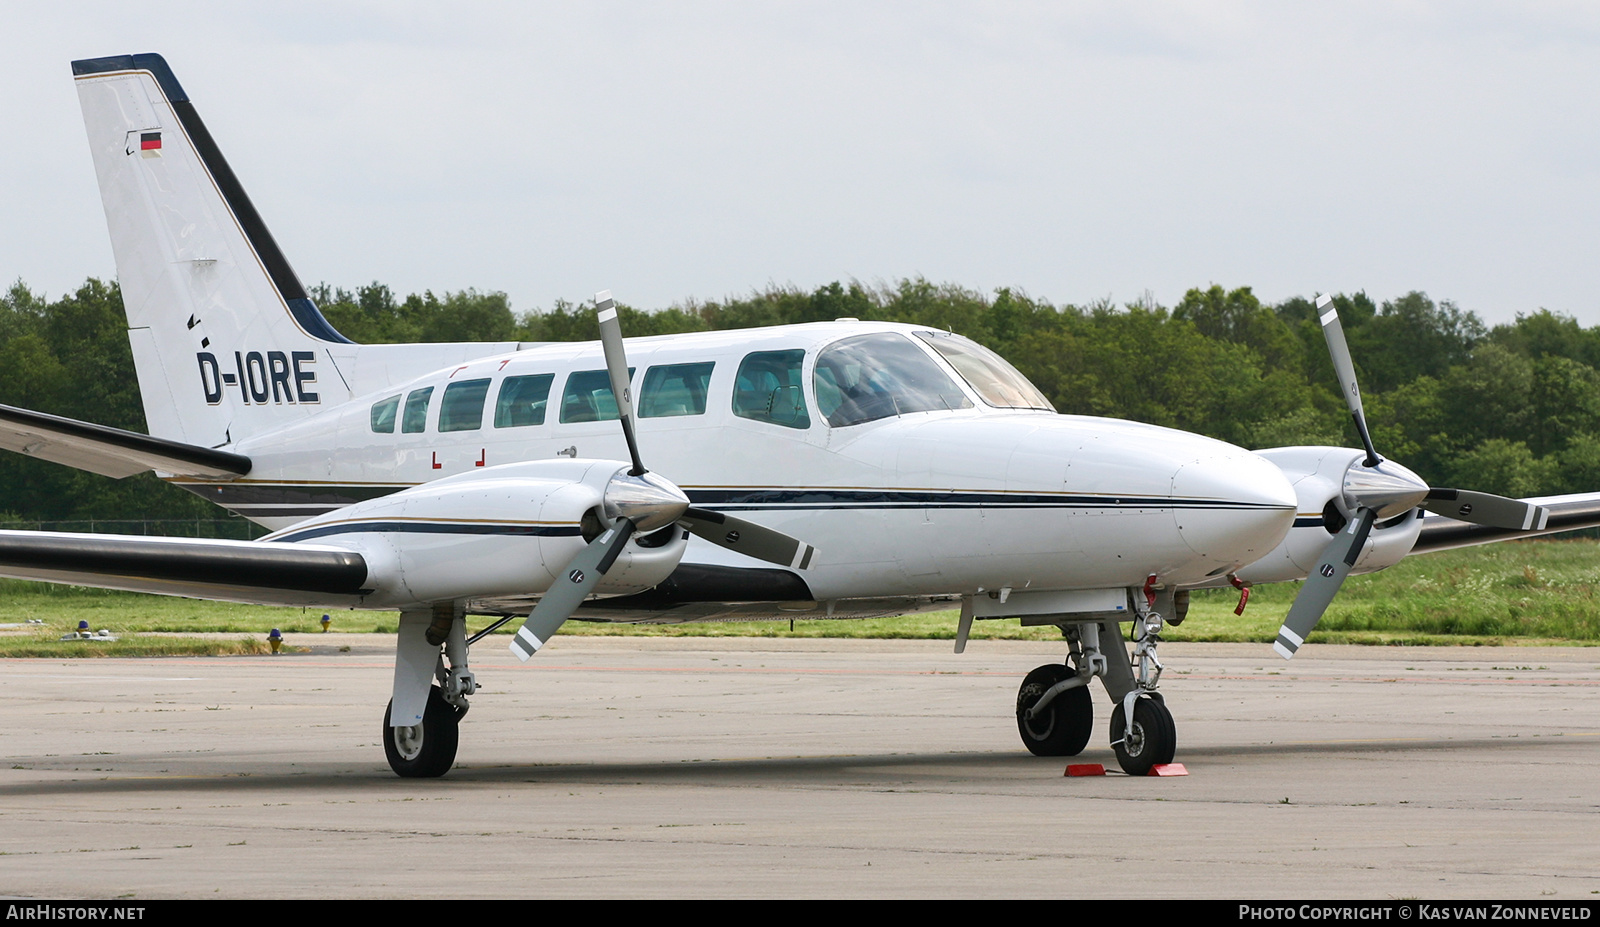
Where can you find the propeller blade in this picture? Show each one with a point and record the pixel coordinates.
(749, 538)
(1323, 584)
(578, 579)
(1345, 369)
(1483, 508)
(617, 367)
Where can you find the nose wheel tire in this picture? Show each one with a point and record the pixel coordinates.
(1064, 726)
(426, 750)
(1152, 741)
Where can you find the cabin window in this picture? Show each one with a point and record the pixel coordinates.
(994, 379)
(767, 389)
(416, 417)
(588, 397)
(868, 377)
(384, 414)
(462, 408)
(676, 389)
(522, 401)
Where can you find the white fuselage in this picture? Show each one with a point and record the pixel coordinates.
(926, 503)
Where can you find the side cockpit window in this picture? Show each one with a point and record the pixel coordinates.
(868, 377)
(384, 413)
(462, 408)
(416, 415)
(675, 389)
(996, 382)
(767, 389)
(522, 401)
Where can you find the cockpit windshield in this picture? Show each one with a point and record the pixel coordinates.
(996, 381)
(868, 377)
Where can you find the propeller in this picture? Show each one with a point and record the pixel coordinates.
(617, 367)
(583, 572)
(1376, 488)
(639, 502)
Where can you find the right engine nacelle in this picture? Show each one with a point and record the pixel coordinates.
(1318, 476)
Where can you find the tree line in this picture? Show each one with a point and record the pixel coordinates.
(1512, 409)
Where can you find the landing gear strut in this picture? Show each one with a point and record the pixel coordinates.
(421, 728)
(1055, 714)
(1152, 739)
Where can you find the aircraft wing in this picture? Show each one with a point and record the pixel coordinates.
(235, 571)
(110, 451)
(1567, 513)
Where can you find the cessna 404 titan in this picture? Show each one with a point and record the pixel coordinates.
(510, 480)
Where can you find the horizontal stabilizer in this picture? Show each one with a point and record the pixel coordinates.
(110, 451)
(240, 571)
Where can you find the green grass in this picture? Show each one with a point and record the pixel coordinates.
(1522, 591)
(1518, 592)
(49, 646)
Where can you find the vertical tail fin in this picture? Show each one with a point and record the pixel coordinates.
(225, 340)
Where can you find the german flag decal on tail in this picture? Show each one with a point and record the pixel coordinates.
(150, 144)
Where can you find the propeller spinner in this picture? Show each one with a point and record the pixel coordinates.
(638, 501)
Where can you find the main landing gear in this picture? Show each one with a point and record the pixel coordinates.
(426, 750)
(421, 728)
(1055, 715)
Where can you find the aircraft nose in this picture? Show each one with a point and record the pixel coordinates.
(1232, 507)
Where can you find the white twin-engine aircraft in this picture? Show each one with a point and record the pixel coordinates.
(509, 480)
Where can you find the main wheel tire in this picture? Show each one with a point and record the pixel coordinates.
(1065, 725)
(426, 750)
(1152, 742)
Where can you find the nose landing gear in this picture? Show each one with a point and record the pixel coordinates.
(1062, 726)
(1150, 742)
(1055, 714)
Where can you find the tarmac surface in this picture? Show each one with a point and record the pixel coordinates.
(737, 767)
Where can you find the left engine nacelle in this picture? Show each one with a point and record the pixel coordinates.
(500, 531)
(1318, 475)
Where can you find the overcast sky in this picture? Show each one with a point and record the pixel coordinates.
(1077, 151)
